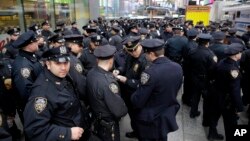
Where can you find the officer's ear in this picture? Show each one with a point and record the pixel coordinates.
(47, 64)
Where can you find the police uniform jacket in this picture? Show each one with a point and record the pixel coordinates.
(175, 45)
(46, 33)
(104, 95)
(53, 108)
(88, 59)
(202, 63)
(218, 49)
(166, 35)
(155, 99)
(246, 38)
(228, 85)
(116, 41)
(75, 31)
(26, 69)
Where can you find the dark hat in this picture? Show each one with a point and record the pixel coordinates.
(168, 25)
(92, 21)
(143, 31)
(151, 25)
(25, 39)
(46, 22)
(60, 23)
(199, 26)
(34, 27)
(15, 31)
(224, 29)
(74, 39)
(105, 51)
(96, 38)
(218, 35)
(132, 26)
(248, 26)
(90, 29)
(203, 36)
(116, 28)
(58, 54)
(233, 49)
(57, 31)
(192, 32)
(177, 28)
(56, 38)
(131, 42)
(74, 22)
(152, 44)
(232, 30)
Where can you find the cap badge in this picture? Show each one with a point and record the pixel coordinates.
(63, 50)
(114, 88)
(40, 104)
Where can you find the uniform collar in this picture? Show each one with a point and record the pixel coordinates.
(29, 55)
(161, 60)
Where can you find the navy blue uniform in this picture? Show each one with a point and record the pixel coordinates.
(201, 64)
(26, 69)
(11, 52)
(155, 100)
(106, 103)
(88, 59)
(53, 108)
(245, 81)
(174, 47)
(116, 41)
(229, 94)
(218, 49)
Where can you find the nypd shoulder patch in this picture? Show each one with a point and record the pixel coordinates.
(40, 104)
(234, 73)
(25, 72)
(78, 67)
(114, 88)
(215, 59)
(144, 78)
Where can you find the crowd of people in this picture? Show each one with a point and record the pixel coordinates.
(73, 85)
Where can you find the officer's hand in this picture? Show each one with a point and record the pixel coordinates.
(116, 72)
(121, 78)
(76, 133)
(7, 83)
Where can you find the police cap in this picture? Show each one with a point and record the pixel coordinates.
(56, 38)
(60, 23)
(96, 38)
(232, 30)
(131, 42)
(25, 39)
(34, 27)
(177, 28)
(90, 29)
(203, 36)
(192, 32)
(218, 35)
(58, 54)
(143, 31)
(13, 31)
(105, 52)
(46, 22)
(152, 44)
(132, 26)
(233, 49)
(224, 29)
(74, 39)
(199, 26)
(116, 28)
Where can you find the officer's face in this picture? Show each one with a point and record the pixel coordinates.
(58, 69)
(14, 36)
(75, 48)
(136, 52)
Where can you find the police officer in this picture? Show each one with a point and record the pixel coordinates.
(104, 95)
(87, 58)
(133, 30)
(116, 39)
(175, 45)
(56, 40)
(46, 29)
(8, 50)
(74, 28)
(54, 104)
(192, 45)
(228, 88)
(155, 99)
(218, 45)
(202, 63)
(26, 67)
(60, 25)
(167, 33)
(144, 33)
(232, 37)
(129, 76)
(246, 37)
(153, 32)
